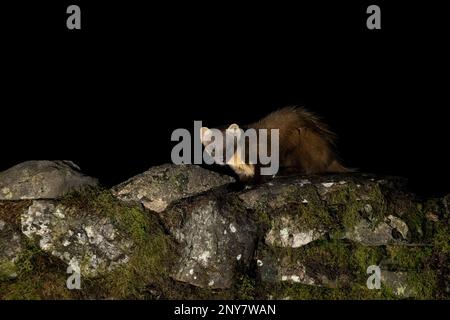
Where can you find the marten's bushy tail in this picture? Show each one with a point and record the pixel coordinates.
(314, 122)
(336, 167)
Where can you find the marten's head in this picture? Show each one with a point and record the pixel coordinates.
(219, 141)
(222, 146)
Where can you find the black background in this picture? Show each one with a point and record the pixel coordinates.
(109, 96)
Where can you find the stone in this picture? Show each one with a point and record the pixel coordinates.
(278, 267)
(86, 242)
(274, 269)
(285, 232)
(160, 186)
(382, 234)
(214, 237)
(273, 194)
(289, 237)
(42, 180)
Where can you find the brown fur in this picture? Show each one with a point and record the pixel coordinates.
(305, 144)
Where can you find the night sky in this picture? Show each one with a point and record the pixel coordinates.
(109, 96)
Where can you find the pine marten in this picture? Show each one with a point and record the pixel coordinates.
(306, 145)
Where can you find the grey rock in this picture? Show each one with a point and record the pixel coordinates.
(316, 231)
(274, 195)
(87, 242)
(380, 234)
(214, 237)
(42, 180)
(279, 268)
(158, 187)
(302, 210)
(284, 267)
(286, 232)
(279, 199)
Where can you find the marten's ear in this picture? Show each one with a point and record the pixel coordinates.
(234, 130)
(203, 131)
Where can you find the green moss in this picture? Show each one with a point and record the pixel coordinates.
(297, 292)
(423, 283)
(441, 237)
(362, 257)
(338, 209)
(147, 266)
(10, 212)
(424, 230)
(414, 217)
(245, 288)
(7, 268)
(329, 258)
(313, 214)
(263, 219)
(401, 258)
(341, 266)
(39, 276)
(329, 262)
(303, 205)
(179, 180)
(293, 291)
(339, 269)
(343, 263)
(352, 203)
(150, 256)
(344, 203)
(414, 220)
